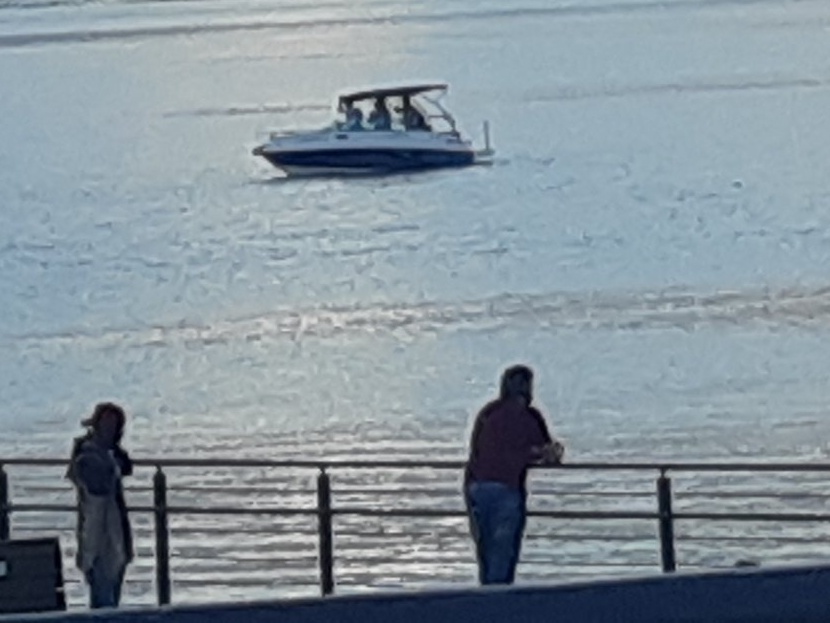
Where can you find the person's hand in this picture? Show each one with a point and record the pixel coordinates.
(549, 454)
(552, 453)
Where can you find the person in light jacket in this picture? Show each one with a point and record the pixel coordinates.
(104, 535)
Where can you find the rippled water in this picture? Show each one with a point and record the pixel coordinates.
(653, 238)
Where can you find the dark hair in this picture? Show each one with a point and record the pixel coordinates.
(103, 409)
(517, 381)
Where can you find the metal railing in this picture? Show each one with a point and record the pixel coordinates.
(662, 514)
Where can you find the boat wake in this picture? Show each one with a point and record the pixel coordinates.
(238, 111)
(577, 93)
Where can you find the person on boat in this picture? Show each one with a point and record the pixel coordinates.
(412, 117)
(379, 118)
(354, 118)
(104, 536)
(508, 436)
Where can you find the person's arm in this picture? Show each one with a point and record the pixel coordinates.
(125, 463)
(70, 468)
(546, 450)
(472, 455)
(477, 426)
(544, 432)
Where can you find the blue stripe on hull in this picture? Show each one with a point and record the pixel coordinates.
(377, 159)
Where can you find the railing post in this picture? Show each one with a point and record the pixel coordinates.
(162, 537)
(666, 522)
(5, 524)
(324, 528)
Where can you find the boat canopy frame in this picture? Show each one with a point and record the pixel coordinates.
(411, 91)
(401, 91)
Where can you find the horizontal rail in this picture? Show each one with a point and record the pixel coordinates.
(762, 517)
(346, 490)
(538, 492)
(454, 464)
(439, 513)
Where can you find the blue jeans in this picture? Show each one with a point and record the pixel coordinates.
(104, 592)
(497, 522)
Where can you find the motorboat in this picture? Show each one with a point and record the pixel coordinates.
(415, 133)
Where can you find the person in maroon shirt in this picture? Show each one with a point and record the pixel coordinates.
(508, 436)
